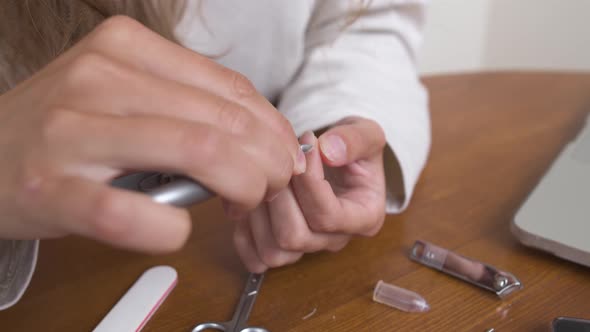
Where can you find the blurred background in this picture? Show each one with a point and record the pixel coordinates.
(476, 35)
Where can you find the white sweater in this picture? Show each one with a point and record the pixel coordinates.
(318, 62)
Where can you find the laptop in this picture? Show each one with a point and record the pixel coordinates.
(556, 215)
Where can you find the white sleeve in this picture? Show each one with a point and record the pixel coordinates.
(17, 264)
(364, 65)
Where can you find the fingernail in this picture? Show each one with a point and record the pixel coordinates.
(333, 148)
(307, 141)
(306, 148)
(301, 162)
(307, 138)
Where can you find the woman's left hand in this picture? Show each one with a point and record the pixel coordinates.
(341, 194)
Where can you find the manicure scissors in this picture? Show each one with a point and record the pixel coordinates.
(240, 317)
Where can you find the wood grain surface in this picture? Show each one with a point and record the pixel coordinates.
(494, 135)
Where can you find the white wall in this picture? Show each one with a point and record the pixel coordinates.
(471, 35)
(454, 38)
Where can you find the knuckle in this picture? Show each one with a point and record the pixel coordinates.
(198, 145)
(31, 179)
(295, 240)
(234, 117)
(56, 122)
(283, 124)
(84, 69)
(282, 129)
(323, 223)
(116, 30)
(375, 223)
(209, 141)
(240, 85)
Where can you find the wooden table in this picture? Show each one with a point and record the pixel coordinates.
(493, 137)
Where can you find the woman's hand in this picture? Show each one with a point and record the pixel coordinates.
(324, 207)
(124, 98)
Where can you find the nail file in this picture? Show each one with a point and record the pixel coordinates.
(140, 302)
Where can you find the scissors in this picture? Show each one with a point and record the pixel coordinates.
(240, 317)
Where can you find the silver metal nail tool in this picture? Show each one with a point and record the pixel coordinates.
(239, 321)
(170, 189)
(477, 273)
(165, 188)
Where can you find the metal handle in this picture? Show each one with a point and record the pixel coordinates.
(212, 326)
(253, 329)
(180, 192)
(165, 188)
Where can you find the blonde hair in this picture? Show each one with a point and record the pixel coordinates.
(34, 32)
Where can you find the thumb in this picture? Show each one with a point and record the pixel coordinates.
(351, 140)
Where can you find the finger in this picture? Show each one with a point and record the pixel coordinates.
(354, 139)
(314, 194)
(207, 155)
(246, 249)
(266, 246)
(130, 42)
(176, 100)
(117, 217)
(291, 230)
(322, 208)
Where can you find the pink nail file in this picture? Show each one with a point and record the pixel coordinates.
(140, 302)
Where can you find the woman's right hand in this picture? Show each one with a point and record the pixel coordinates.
(125, 99)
